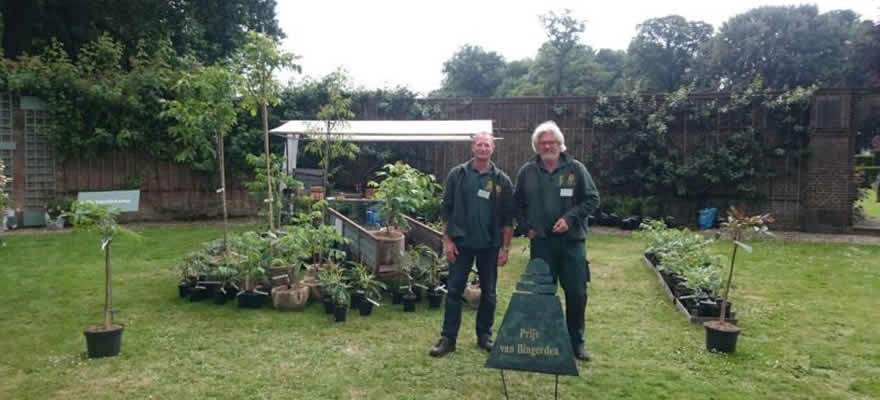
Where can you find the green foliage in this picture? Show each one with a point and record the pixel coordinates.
(326, 141)
(663, 52)
(208, 29)
(787, 46)
(730, 158)
(472, 72)
(252, 255)
(363, 281)
(334, 283)
(259, 187)
(403, 190)
(684, 253)
(320, 242)
(259, 58)
(203, 109)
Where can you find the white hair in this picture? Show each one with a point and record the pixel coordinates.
(551, 127)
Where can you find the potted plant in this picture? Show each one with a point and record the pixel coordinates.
(294, 295)
(341, 299)
(330, 277)
(255, 256)
(366, 288)
(105, 339)
(403, 189)
(432, 267)
(721, 335)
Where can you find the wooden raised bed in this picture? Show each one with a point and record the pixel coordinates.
(694, 319)
(363, 246)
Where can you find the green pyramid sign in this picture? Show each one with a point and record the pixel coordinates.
(533, 336)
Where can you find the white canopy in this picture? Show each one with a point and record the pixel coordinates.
(391, 131)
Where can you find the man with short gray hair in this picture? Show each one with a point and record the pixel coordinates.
(554, 195)
(478, 215)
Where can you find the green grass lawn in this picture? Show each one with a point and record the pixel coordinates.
(809, 312)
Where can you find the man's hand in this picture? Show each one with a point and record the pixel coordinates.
(532, 234)
(502, 256)
(560, 226)
(451, 250)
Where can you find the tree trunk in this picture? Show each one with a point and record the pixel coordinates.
(108, 294)
(223, 191)
(729, 278)
(327, 162)
(268, 167)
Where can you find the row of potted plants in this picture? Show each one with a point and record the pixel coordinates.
(695, 277)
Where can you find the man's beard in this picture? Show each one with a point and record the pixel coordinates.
(549, 156)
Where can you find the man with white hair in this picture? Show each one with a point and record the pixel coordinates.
(554, 195)
(478, 212)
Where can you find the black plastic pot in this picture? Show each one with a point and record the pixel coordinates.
(356, 299)
(221, 297)
(250, 299)
(418, 292)
(397, 297)
(409, 303)
(339, 311)
(328, 305)
(721, 339)
(713, 309)
(199, 293)
(183, 288)
(101, 343)
(365, 308)
(435, 300)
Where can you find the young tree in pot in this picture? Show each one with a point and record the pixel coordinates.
(294, 295)
(721, 335)
(366, 287)
(403, 189)
(256, 256)
(105, 339)
(341, 298)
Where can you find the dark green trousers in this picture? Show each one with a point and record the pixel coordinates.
(568, 266)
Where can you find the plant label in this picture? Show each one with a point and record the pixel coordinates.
(221, 190)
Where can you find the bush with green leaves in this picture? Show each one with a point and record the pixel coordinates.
(402, 190)
(683, 253)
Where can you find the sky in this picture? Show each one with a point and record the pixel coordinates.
(389, 43)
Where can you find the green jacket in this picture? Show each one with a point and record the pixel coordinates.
(535, 188)
(454, 203)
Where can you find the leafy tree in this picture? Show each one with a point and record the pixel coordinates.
(259, 59)
(326, 141)
(210, 29)
(563, 33)
(787, 46)
(663, 51)
(473, 72)
(205, 109)
(261, 188)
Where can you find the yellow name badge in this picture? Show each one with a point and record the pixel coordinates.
(566, 192)
(483, 194)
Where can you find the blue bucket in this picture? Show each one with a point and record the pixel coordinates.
(707, 217)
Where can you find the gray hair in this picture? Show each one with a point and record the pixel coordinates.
(483, 133)
(551, 127)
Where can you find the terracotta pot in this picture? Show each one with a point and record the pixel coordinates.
(290, 299)
(472, 294)
(389, 247)
(317, 192)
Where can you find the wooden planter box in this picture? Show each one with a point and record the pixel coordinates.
(364, 244)
(694, 319)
